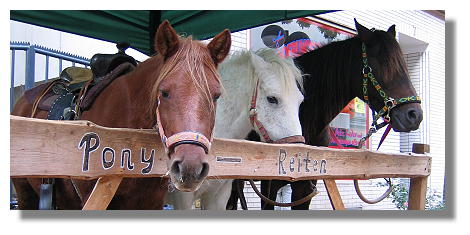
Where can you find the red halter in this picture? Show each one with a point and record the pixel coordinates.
(184, 137)
(256, 123)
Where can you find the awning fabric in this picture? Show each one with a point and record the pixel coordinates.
(138, 27)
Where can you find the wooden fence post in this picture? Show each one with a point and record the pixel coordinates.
(103, 193)
(418, 185)
(333, 194)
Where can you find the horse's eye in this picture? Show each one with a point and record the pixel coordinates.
(216, 97)
(272, 100)
(165, 94)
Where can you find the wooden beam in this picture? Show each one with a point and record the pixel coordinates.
(421, 148)
(333, 194)
(81, 149)
(102, 193)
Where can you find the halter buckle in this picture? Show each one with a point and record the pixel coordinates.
(253, 112)
(387, 117)
(390, 103)
(368, 68)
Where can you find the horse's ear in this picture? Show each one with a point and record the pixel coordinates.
(166, 40)
(219, 47)
(364, 33)
(392, 31)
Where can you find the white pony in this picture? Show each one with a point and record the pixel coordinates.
(277, 106)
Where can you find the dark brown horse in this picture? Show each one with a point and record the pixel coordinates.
(178, 87)
(334, 76)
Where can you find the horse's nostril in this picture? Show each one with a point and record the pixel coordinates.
(176, 167)
(412, 115)
(204, 170)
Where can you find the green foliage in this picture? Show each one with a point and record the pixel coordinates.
(303, 25)
(434, 201)
(328, 34)
(399, 196)
(286, 21)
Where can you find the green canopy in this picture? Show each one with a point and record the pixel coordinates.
(138, 27)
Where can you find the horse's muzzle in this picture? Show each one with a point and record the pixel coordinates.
(406, 117)
(188, 167)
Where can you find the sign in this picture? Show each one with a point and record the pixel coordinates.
(292, 38)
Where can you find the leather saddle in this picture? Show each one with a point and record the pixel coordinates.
(102, 64)
(76, 88)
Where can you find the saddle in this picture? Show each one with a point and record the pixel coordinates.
(75, 90)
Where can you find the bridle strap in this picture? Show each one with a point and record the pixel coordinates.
(184, 137)
(290, 139)
(253, 114)
(188, 137)
(389, 102)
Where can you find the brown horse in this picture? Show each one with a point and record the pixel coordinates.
(179, 87)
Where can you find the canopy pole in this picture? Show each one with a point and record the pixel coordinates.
(155, 19)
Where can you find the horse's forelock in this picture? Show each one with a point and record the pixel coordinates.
(391, 56)
(290, 75)
(188, 58)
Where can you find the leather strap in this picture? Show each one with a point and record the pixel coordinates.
(253, 116)
(291, 139)
(256, 123)
(184, 137)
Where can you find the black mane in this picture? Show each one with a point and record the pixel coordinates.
(329, 68)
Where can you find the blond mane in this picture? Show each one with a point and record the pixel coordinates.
(193, 58)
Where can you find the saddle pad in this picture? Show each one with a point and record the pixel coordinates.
(76, 75)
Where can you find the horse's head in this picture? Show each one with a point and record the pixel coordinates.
(186, 91)
(277, 97)
(383, 61)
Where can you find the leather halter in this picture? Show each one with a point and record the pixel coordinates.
(253, 114)
(389, 102)
(184, 137)
(290, 139)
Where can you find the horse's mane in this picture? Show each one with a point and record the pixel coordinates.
(390, 54)
(326, 82)
(189, 57)
(285, 68)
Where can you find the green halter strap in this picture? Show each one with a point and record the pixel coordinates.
(389, 102)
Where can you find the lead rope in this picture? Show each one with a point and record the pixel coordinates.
(356, 182)
(290, 204)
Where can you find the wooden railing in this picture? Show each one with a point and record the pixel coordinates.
(81, 149)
